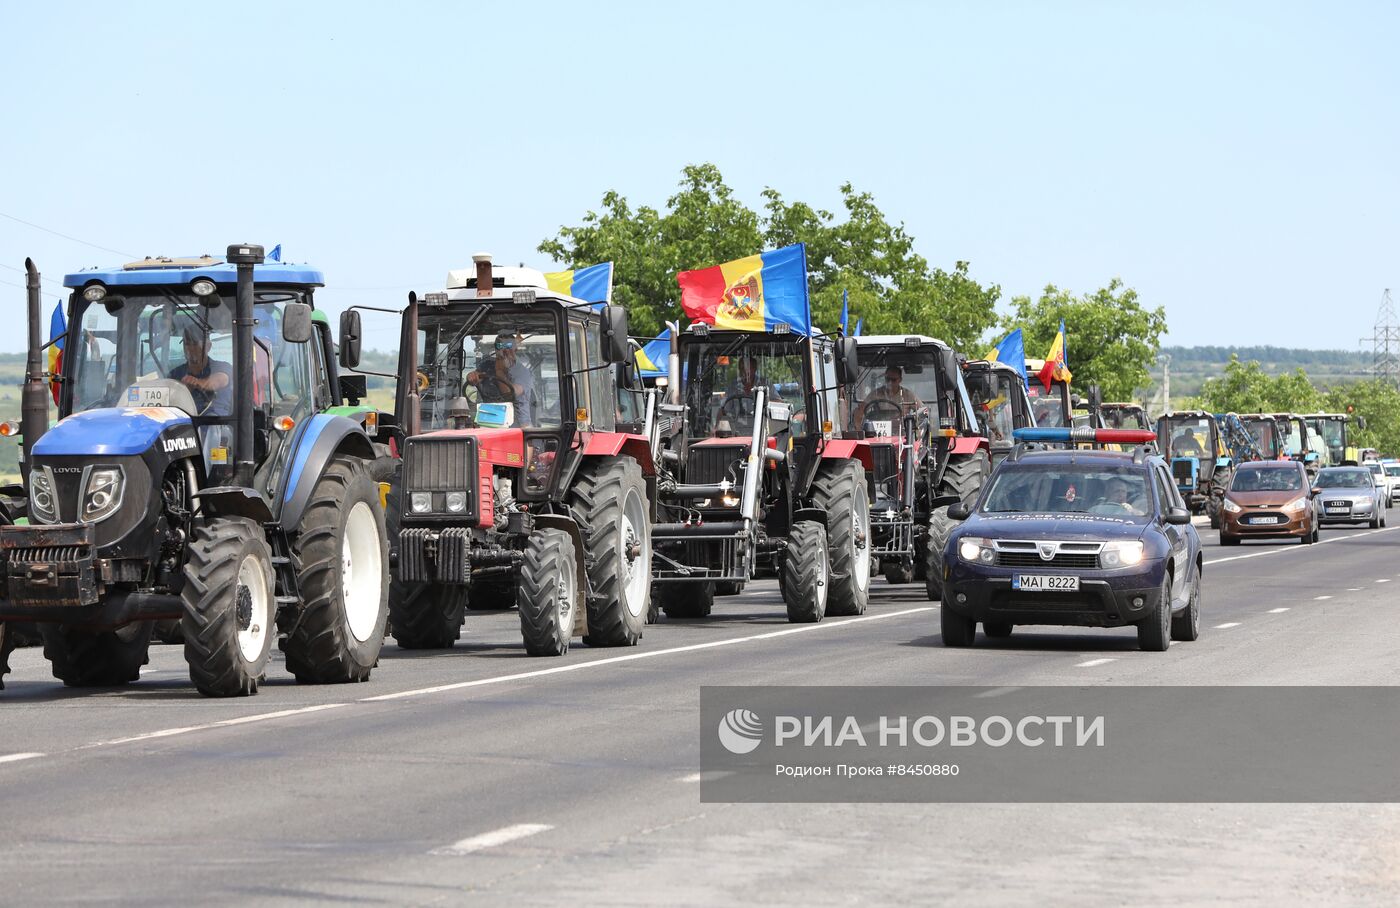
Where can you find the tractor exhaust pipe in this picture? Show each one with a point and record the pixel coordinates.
(245, 256)
(485, 285)
(412, 404)
(673, 364)
(34, 400)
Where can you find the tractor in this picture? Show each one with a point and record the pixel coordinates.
(999, 398)
(527, 475)
(1334, 429)
(1201, 463)
(1125, 416)
(754, 478)
(1297, 441)
(194, 475)
(910, 403)
(1052, 407)
(1268, 433)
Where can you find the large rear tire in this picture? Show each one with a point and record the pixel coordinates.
(839, 489)
(7, 646)
(806, 573)
(964, 478)
(548, 593)
(421, 615)
(230, 606)
(684, 600)
(341, 559)
(609, 498)
(83, 658)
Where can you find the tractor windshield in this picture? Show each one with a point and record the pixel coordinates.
(993, 394)
(1331, 429)
(892, 384)
(1265, 435)
(1185, 436)
(1292, 438)
(1050, 408)
(1115, 417)
(502, 362)
(721, 378)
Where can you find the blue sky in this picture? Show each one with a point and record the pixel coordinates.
(1236, 163)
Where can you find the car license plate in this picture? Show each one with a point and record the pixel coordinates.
(1262, 521)
(1337, 506)
(1045, 583)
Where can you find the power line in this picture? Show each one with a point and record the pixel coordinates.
(1385, 343)
(22, 287)
(67, 237)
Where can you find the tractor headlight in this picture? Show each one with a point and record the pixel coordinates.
(976, 550)
(1230, 506)
(420, 502)
(43, 505)
(730, 501)
(94, 292)
(456, 502)
(1297, 504)
(103, 494)
(1122, 554)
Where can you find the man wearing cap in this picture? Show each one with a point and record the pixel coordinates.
(893, 393)
(507, 379)
(208, 379)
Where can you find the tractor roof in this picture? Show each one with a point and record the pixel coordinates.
(165, 270)
(501, 276)
(898, 340)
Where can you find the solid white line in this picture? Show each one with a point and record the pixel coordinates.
(15, 758)
(1277, 611)
(492, 839)
(693, 777)
(613, 660)
(1093, 662)
(1301, 548)
(1227, 625)
(1320, 598)
(225, 723)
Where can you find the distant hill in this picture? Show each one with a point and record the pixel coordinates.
(1190, 366)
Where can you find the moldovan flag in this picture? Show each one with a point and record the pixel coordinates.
(592, 284)
(751, 294)
(655, 357)
(1011, 350)
(58, 327)
(1056, 366)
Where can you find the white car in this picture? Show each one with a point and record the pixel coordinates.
(1392, 479)
(1384, 482)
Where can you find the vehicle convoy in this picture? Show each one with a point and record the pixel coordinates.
(999, 397)
(518, 481)
(1090, 538)
(1269, 499)
(1335, 431)
(911, 405)
(753, 475)
(1350, 495)
(1200, 461)
(193, 475)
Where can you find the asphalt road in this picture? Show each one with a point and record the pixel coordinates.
(483, 774)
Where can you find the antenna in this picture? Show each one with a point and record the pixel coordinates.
(1385, 343)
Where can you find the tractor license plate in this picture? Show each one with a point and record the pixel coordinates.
(883, 427)
(1262, 521)
(1045, 583)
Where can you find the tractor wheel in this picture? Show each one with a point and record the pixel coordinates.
(548, 592)
(839, 489)
(610, 499)
(964, 478)
(684, 600)
(168, 630)
(1219, 484)
(83, 658)
(421, 616)
(341, 560)
(7, 646)
(491, 596)
(806, 573)
(230, 604)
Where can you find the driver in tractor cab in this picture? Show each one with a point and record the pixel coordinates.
(1187, 445)
(208, 379)
(737, 404)
(892, 393)
(503, 378)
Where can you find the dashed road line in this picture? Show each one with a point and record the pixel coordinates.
(1383, 580)
(492, 839)
(1227, 625)
(1093, 662)
(1320, 598)
(225, 723)
(15, 758)
(1278, 611)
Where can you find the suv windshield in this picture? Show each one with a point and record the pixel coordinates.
(500, 357)
(1268, 479)
(1392, 469)
(1354, 478)
(892, 384)
(1069, 489)
(721, 378)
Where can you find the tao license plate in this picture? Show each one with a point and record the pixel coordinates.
(1045, 583)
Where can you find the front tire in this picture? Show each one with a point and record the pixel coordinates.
(1154, 631)
(548, 592)
(806, 573)
(963, 477)
(958, 630)
(1227, 539)
(997, 630)
(1187, 626)
(839, 489)
(341, 559)
(83, 658)
(610, 499)
(7, 646)
(230, 607)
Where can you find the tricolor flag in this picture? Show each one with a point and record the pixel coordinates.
(654, 358)
(1011, 350)
(58, 328)
(1056, 364)
(592, 284)
(751, 294)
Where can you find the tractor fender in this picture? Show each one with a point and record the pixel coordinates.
(814, 515)
(560, 522)
(322, 437)
(849, 449)
(968, 444)
(611, 444)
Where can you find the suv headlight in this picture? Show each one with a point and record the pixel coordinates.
(976, 550)
(1230, 506)
(1122, 554)
(43, 503)
(103, 493)
(1297, 504)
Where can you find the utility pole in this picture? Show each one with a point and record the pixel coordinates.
(1385, 343)
(1166, 361)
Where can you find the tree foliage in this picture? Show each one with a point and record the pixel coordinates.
(890, 285)
(1110, 339)
(1247, 388)
(1379, 403)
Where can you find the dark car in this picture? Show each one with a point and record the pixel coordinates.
(1079, 538)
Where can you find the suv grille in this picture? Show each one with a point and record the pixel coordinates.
(1026, 553)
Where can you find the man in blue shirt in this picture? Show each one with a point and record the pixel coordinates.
(209, 380)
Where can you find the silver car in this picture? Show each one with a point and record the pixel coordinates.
(1392, 478)
(1349, 495)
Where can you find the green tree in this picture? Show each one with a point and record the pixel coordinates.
(1379, 403)
(1110, 339)
(1247, 388)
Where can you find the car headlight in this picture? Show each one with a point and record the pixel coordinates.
(420, 502)
(1297, 504)
(976, 550)
(103, 494)
(1230, 506)
(456, 502)
(1122, 554)
(43, 505)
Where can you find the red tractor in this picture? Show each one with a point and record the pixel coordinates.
(521, 479)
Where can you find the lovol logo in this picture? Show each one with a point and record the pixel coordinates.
(740, 731)
(179, 443)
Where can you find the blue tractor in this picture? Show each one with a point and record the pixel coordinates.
(1203, 464)
(194, 475)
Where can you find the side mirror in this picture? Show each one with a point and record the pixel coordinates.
(1315, 490)
(616, 344)
(952, 372)
(779, 415)
(353, 389)
(1179, 517)
(1095, 396)
(847, 360)
(959, 511)
(1360, 422)
(296, 323)
(349, 338)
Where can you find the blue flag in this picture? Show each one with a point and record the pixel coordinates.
(859, 323)
(1011, 350)
(276, 254)
(845, 313)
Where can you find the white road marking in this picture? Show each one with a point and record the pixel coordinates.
(1353, 589)
(1303, 548)
(696, 777)
(492, 839)
(1093, 662)
(15, 758)
(1383, 580)
(225, 723)
(997, 692)
(1277, 611)
(1320, 598)
(1227, 625)
(693, 777)
(613, 660)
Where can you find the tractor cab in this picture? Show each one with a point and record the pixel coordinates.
(1201, 465)
(1334, 430)
(1052, 407)
(1269, 436)
(1000, 400)
(1125, 416)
